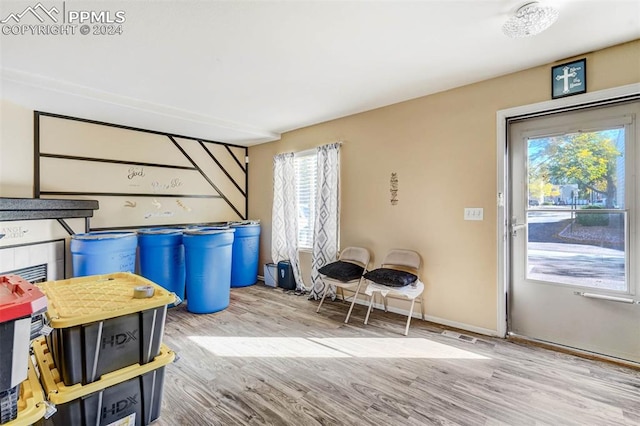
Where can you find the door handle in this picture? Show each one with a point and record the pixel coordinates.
(515, 227)
(605, 297)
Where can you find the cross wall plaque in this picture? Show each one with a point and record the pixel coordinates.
(569, 79)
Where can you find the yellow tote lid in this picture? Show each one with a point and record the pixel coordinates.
(31, 406)
(82, 300)
(58, 393)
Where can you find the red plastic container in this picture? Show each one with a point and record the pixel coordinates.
(19, 300)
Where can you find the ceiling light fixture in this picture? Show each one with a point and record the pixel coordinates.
(529, 20)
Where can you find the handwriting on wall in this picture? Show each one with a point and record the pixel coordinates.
(172, 184)
(135, 172)
(138, 173)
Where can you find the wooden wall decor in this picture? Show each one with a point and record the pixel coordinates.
(393, 188)
(140, 177)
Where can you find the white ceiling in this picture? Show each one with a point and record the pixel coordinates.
(245, 71)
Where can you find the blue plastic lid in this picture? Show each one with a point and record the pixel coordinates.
(208, 230)
(164, 231)
(244, 223)
(103, 235)
(208, 225)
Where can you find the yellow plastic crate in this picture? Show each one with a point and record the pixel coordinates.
(31, 407)
(58, 393)
(100, 327)
(82, 300)
(132, 395)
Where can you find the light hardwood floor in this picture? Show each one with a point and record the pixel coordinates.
(269, 359)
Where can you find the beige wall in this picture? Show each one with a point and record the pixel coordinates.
(443, 148)
(16, 150)
(16, 177)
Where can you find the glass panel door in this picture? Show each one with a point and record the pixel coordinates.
(573, 209)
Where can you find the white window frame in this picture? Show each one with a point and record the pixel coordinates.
(306, 175)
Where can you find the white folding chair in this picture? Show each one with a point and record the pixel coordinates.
(402, 260)
(357, 255)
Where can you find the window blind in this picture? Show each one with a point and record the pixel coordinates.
(306, 171)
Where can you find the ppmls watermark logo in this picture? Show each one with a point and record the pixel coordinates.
(58, 20)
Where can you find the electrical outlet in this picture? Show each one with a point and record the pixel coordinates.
(473, 213)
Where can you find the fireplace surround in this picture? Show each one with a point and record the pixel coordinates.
(40, 260)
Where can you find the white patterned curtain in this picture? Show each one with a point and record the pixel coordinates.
(284, 220)
(327, 227)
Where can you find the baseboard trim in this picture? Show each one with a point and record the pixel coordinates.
(434, 319)
(430, 318)
(463, 326)
(573, 351)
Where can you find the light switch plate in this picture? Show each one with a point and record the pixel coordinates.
(473, 213)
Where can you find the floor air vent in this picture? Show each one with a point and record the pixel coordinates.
(459, 336)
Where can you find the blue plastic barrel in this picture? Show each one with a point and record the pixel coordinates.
(244, 262)
(162, 258)
(208, 263)
(96, 253)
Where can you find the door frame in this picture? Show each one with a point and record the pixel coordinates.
(599, 98)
